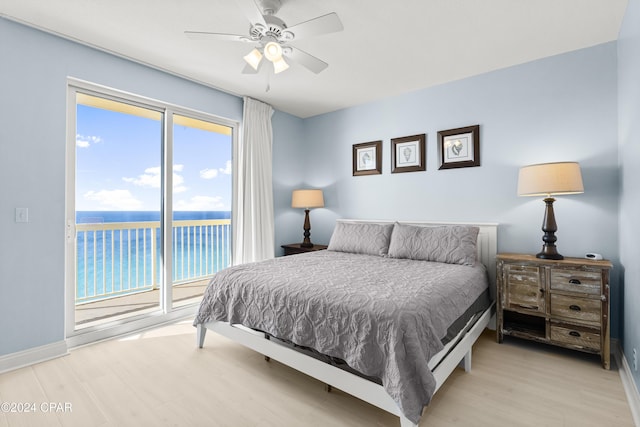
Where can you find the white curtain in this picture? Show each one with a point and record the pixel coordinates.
(253, 222)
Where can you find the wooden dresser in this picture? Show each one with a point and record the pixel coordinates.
(565, 303)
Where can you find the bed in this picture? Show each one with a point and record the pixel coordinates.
(385, 314)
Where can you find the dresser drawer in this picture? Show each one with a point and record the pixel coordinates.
(575, 335)
(575, 280)
(583, 309)
(523, 288)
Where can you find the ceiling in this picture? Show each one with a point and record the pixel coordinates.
(386, 48)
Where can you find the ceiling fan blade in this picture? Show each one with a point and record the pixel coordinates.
(309, 61)
(329, 23)
(251, 11)
(203, 35)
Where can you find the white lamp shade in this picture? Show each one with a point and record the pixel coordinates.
(253, 58)
(307, 199)
(547, 179)
(280, 65)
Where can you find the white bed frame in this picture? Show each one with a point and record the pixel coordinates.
(350, 383)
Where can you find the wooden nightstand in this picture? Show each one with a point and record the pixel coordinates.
(295, 248)
(565, 303)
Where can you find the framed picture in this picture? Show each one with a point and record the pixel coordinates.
(367, 158)
(408, 154)
(459, 148)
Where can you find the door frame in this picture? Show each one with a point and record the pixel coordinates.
(166, 313)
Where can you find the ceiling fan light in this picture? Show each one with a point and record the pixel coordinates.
(253, 58)
(280, 65)
(273, 51)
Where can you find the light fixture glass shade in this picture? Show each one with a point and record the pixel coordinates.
(253, 58)
(272, 51)
(547, 179)
(280, 65)
(307, 199)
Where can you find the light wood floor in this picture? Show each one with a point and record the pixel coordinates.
(160, 378)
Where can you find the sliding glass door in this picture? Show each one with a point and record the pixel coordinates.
(201, 217)
(117, 209)
(149, 194)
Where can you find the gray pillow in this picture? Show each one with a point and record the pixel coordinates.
(361, 238)
(451, 244)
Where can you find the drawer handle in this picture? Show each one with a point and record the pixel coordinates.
(575, 334)
(575, 307)
(574, 281)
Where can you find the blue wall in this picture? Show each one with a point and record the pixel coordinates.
(629, 134)
(288, 174)
(555, 109)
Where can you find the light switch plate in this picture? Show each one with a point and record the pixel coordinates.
(22, 214)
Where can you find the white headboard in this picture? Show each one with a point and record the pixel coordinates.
(487, 239)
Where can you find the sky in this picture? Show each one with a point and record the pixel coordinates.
(118, 159)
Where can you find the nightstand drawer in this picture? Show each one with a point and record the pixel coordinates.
(573, 280)
(583, 309)
(574, 335)
(524, 290)
(524, 274)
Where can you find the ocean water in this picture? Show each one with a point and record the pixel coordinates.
(85, 217)
(119, 261)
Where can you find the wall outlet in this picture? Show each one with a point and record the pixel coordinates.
(635, 360)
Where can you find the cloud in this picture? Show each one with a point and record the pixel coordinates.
(85, 141)
(120, 199)
(200, 203)
(212, 173)
(208, 173)
(151, 179)
(227, 169)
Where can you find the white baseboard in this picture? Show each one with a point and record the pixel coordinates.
(31, 356)
(629, 384)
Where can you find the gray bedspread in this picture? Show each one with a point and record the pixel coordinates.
(384, 316)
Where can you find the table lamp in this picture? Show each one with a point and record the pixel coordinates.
(307, 199)
(549, 179)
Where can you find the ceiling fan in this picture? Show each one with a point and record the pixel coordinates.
(272, 37)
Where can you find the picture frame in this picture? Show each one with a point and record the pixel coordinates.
(459, 148)
(367, 158)
(408, 154)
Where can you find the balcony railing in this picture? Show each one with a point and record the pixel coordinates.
(119, 258)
